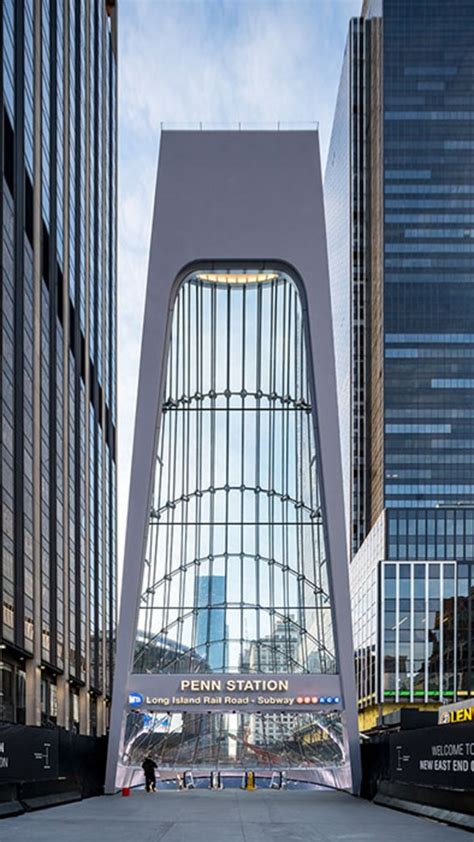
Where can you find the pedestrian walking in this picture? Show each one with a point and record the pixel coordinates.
(149, 767)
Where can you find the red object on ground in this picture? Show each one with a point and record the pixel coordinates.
(125, 790)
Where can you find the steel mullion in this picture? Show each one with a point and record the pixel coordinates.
(185, 445)
(298, 441)
(258, 376)
(171, 437)
(315, 538)
(179, 387)
(234, 523)
(285, 467)
(199, 441)
(173, 472)
(172, 387)
(227, 469)
(273, 409)
(242, 461)
(181, 445)
(212, 450)
(271, 464)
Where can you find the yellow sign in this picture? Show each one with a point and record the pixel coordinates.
(461, 715)
(452, 714)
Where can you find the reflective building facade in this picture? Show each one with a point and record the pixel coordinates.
(400, 210)
(58, 370)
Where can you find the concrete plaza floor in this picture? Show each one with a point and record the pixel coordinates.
(228, 816)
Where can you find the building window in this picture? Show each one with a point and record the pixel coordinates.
(12, 693)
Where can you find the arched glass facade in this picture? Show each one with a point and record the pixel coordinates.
(235, 574)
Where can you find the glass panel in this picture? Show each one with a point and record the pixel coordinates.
(230, 740)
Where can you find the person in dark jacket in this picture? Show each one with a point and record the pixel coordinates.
(149, 767)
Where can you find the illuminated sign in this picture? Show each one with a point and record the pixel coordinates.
(459, 715)
(168, 692)
(457, 712)
(231, 684)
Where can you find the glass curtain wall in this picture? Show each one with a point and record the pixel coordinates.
(57, 363)
(235, 575)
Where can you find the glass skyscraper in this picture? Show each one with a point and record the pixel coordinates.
(58, 369)
(210, 625)
(400, 210)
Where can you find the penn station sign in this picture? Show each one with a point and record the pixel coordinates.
(225, 692)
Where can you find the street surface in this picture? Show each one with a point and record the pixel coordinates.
(228, 816)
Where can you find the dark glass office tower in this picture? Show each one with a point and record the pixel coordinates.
(400, 212)
(58, 369)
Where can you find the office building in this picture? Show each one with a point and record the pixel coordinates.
(210, 624)
(58, 362)
(399, 191)
(270, 654)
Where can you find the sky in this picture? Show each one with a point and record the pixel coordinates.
(182, 62)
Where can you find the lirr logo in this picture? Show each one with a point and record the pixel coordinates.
(135, 699)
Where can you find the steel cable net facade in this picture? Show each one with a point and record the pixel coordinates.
(235, 577)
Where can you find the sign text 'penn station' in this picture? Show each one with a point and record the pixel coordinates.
(245, 685)
(276, 692)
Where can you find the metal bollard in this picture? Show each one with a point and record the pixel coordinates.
(248, 781)
(215, 780)
(278, 780)
(188, 780)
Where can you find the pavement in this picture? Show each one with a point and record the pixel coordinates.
(228, 816)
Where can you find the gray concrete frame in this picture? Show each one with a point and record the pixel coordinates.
(226, 198)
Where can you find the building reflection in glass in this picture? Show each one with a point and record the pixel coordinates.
(419, 630)
(235, 740)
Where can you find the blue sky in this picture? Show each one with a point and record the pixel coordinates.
(215, 61)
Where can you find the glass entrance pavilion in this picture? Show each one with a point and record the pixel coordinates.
(235, 597)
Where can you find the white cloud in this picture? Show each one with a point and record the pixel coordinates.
(215, 61)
